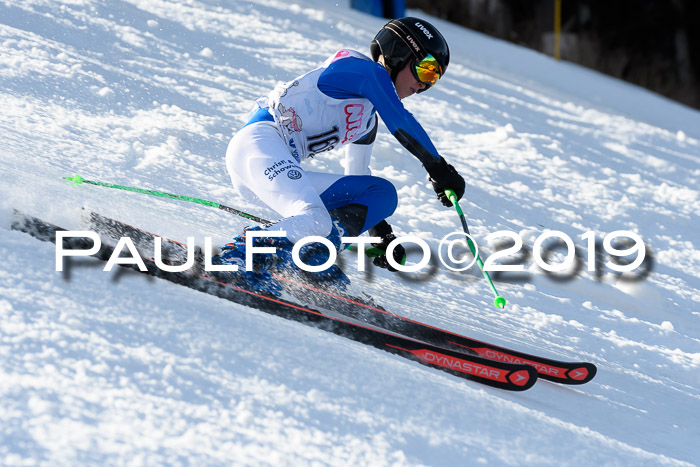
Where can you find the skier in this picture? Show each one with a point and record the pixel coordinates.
(336, 105)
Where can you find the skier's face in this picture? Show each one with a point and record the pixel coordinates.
(406, 84)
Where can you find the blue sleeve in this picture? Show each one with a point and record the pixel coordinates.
(354, 77)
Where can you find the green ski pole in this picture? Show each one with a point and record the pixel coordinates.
(499, 301)
(77, 180)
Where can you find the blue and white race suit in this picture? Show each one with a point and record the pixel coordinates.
(334, 105)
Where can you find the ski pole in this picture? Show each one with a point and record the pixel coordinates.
(77, 180)
(499, 302)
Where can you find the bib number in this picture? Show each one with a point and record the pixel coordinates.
(323, 142)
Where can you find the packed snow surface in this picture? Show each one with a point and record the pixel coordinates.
(118, 368)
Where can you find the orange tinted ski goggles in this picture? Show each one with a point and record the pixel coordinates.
(427, 71)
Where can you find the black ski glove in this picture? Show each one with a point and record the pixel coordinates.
(444, 176)
(383, 230)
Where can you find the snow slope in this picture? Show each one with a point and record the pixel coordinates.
(117, 368)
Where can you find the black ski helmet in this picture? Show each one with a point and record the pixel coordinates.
(404, 40)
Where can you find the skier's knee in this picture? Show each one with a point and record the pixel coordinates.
(318, 222)
(388, 196)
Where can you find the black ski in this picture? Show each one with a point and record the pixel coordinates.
(509, 376)
(367, 312)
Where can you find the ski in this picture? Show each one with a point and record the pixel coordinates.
(558, 371)
(503, 375)
(368, 312)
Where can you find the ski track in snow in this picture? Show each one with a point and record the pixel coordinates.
(118, 368)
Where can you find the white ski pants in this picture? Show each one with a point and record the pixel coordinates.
(260, 166)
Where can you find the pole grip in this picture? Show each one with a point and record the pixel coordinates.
(452, 196)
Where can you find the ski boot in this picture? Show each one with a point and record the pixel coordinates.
(259, 279)
(315, 254)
